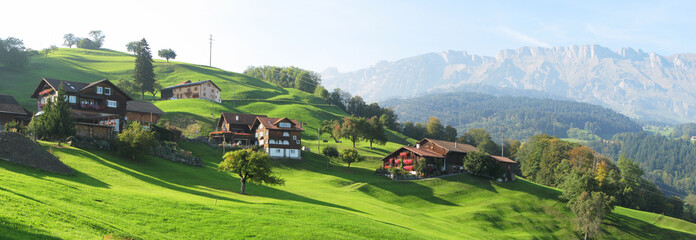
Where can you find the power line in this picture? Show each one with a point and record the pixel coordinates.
(210, 61)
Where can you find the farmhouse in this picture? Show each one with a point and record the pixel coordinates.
(202, 89)
(279, 137)
(10, 110)
(100, 108)
(143, 112)
(235, 128)
(440, 157)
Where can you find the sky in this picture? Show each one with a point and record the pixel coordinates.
(351, 35)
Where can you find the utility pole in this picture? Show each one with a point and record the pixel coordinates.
(502, 142)
(210, 61)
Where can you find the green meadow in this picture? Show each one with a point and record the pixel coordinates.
(158, 199)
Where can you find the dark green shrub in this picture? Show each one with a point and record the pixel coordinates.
(330, 151)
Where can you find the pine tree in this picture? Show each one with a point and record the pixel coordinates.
(143, 74)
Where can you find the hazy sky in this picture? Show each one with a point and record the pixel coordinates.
(352, 34)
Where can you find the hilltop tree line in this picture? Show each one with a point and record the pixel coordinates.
(668, 161)
(355, 129)
(516, 117)
(289, 77)
(95, 40)
(583, 173)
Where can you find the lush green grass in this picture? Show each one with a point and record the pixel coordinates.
(158, 199)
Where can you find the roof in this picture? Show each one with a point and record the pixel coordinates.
(419, 151)
(238, 118)
(8, 104)
(144, 107)
(189, 83)
(503, 159)
(452, 146)
(270, 123)
(424, 152)
(74, 87)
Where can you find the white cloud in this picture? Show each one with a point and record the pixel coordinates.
(523, 37)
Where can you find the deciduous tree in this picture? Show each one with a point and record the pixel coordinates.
(135, 141)
(69, 40)
(352, 129)
(97, 38)
(132, 47)
(350, 156)
(373, 132)
(250, 166)
(167, 54)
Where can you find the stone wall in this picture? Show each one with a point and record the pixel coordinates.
(172, 152)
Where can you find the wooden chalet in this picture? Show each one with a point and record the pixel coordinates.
(442, 157)
(143, 112)
(188, 89)
(235, 128)
(99, 108)
(10, 110)
(279, 137)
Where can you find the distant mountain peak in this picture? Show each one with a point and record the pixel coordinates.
(642, 85)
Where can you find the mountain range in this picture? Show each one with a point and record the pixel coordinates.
(643, 86)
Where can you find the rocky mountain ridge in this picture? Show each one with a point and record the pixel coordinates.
(645, 86)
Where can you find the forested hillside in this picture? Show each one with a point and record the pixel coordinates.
(519, 117)
(666, 161)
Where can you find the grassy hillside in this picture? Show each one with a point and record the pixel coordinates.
(240, 93)
(158, 199)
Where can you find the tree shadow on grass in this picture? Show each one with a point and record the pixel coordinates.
(182, 178)
(317, 163)
(636, 228)
(539, 191)
(76, 176)
(11, 230)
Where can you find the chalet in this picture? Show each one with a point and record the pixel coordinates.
(202, 89)
(99, 107)
(10, 110)
(279, 137)
(441, 157)
(235, 128)
(143, 112)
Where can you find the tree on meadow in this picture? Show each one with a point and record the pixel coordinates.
(250, 166)
(332, 127)
(373, 131)
(132, 47)
(135, 141)
(69, 40)
(97, 38)
(352, 129)
(143, 74)
(167, 54)
(350, 156)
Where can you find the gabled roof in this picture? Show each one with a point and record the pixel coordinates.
(143, 107)
(189, 83)
(451, 146)
(8, 104)
(418, 151)
(503, 159)
(272, 123)
(238, 118)
(73, 87)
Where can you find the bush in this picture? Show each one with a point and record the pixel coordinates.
(480, 163)
(13, 126)
(135, 141)
(330, 151)
(167, 133)
(350, 156)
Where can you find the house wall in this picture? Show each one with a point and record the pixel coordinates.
(92, 131)
(142, 117)
(209, 91)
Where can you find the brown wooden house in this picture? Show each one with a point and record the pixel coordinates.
(279, 137)
(441, 157)
(143, 112)
(10, 110)
(99, 108)
(235, 128)
(187, 89)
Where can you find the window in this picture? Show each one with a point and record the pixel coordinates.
(100, 90)
(271, 141)
(260, 142)
(107, 91)
(111, 104)
(294, 137)
(286, 142)
(297, 141)
(72, 99)
(286, 134)
(284, 125)
(279, 150)
(65, 98)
